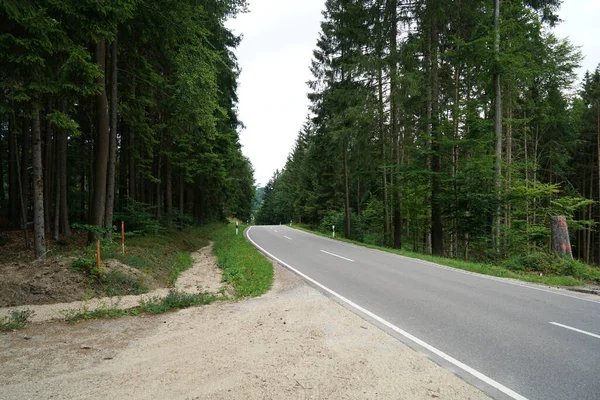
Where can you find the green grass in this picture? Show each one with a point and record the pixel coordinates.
(244, 268)
(248, 271)
(175, 300)
(163, 256)
(17, 319)
(544, 269)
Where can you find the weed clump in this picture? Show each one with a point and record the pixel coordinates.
(17, 319)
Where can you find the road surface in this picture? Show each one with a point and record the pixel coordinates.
(512, 340)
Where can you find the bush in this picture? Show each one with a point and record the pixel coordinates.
(139, 218)
(551, 264)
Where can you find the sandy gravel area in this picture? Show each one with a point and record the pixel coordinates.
(293, 343)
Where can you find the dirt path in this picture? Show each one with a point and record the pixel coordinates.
(293, 343)
(202, 275)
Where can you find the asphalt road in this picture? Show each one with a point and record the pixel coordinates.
(512, 340)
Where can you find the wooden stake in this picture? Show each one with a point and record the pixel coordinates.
(98, 252)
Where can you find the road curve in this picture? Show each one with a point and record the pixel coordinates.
(514, 341)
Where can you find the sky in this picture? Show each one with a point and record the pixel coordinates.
(275, 54)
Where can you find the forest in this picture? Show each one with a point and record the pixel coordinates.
(453, 128)
(117, 111)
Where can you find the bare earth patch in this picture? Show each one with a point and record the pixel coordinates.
(293, 343)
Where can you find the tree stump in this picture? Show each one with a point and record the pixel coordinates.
(560, 236)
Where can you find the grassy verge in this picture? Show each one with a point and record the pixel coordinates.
(175, 300)
(578, 273)
(248, 271)
(163, 256)
(243, 266)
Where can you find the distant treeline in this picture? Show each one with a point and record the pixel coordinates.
(445, 127)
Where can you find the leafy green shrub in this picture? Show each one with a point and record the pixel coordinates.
(17, 319)
(139, 218)
(87, 265)
(551, 264)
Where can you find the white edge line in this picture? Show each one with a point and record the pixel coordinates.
(576, 330)
(439, 353)
(287, 237)
(509, 281)
(338, 256)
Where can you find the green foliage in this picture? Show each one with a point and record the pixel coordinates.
(17, 319)
(183, 261)
(175, 300)
(139, 218)
(117, 283)
(243, 266)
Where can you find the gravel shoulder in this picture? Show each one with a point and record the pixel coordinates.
(292, 343)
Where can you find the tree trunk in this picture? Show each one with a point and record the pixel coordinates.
(13, 189)
(131, 157)
(62, 178)
(386, 218)
(395, 131)
(181, 198)
(561, 243)
(25, 150)
(48, 162)
(38, 188)
(98, 200)
(57, 188)
(346, 192)
(112, 155)
(497, 126)
(437, 234)
(168, 190)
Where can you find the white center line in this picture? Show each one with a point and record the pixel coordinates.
(287, 237)
(576, 330)
(274, 230)
(335, 255)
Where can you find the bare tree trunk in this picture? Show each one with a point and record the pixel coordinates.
(382, 137)
(395, 131)
(168, 190)
(25, 150)
(437, 233)
(131, 158)
(98, 201)
(347, 229)
(48, 163)
(181, 198)
(13, 189)
(38, 188)
(62, 178)
(159, 202)
(598, 159)
(112, 154)
(561, 243)
(497, 124)
(57, 187)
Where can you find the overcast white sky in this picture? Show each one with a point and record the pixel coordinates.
(275, 55)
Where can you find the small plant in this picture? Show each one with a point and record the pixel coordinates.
(175, 300)
(87, 265)
(17, 319)
(104, 312)
(117, 283)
